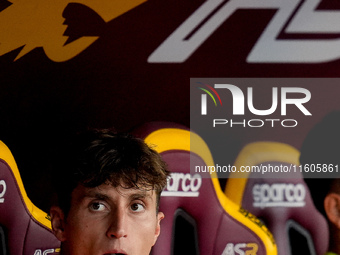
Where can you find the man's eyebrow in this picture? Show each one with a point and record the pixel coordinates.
(141, 194)
(97, 195)
(134, 195)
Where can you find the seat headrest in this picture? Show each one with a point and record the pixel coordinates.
(279, 197)
(27, 229)
(193, 198)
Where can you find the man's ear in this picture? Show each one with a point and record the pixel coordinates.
(160, 216)
(58, 222)
(332, 208)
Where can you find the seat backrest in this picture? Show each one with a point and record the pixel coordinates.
(25, 229)
(279, 197)
(199, 218)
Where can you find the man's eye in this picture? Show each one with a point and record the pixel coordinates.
(137, 207)
(97, 207)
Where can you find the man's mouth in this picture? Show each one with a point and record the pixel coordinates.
(116, 253)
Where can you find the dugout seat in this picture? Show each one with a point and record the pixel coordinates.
(281, 200)
(199, 218)
(24, 228)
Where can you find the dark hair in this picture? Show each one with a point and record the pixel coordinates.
(103, 156)
(322, 146)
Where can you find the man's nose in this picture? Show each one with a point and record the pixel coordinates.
(119, 225)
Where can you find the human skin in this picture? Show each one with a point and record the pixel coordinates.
(108, 220)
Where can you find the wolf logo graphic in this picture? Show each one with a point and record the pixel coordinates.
(40, 23)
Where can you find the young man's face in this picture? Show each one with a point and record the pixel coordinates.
(107, 220)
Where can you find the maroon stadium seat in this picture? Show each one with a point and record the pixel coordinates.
(24, 228)
(281, 200)
(199, 219)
